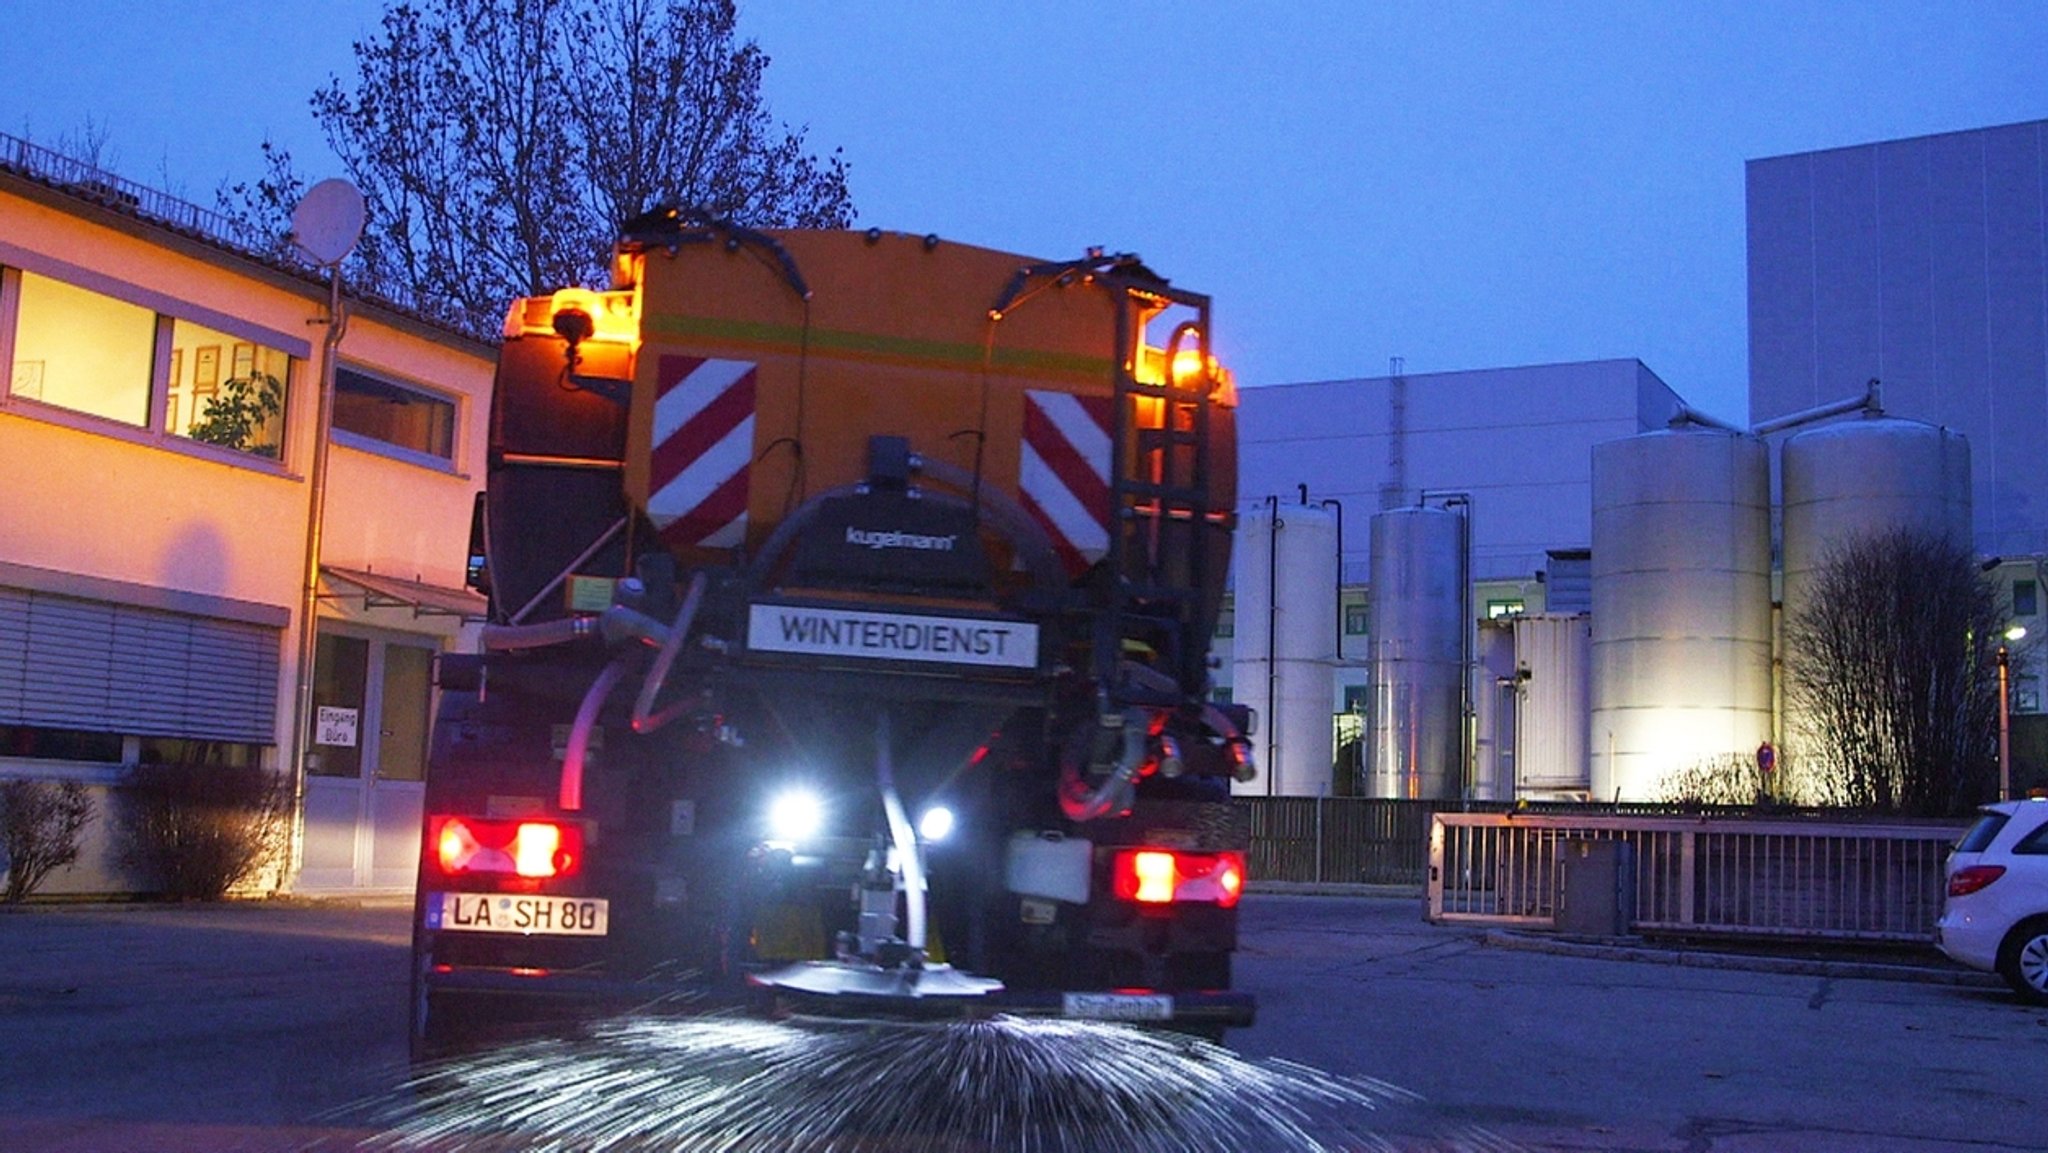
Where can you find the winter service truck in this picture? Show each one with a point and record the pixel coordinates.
(850, 601)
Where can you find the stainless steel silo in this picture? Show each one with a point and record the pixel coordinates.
(1853, 481)
(1285, 652)
(1867, 477)
(1418, 622)
(1681, 630)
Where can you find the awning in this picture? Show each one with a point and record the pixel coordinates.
(379, 591)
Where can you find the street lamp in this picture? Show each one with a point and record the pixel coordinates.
(2005, 711)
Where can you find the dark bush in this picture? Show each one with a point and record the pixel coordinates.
(1719, 781)
(196, 830)
(40, 822)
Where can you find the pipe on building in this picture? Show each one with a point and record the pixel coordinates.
(1871, 403)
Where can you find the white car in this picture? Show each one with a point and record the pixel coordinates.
(1996, 915)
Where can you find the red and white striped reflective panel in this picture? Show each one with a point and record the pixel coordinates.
(1064, 476)
(703, 446)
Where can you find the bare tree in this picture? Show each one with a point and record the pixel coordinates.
(501, 143)
(1891, 677)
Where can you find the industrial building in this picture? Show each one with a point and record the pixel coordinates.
(1509, 449)
(1921, 264)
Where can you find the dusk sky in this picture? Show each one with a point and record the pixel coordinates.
(1466, 185)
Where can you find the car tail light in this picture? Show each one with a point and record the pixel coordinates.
(1968, 880)
(536, 850)
(1164, 876)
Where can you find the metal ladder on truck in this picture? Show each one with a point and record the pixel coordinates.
(1163, 547)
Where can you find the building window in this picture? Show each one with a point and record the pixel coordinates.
(1355, 698)
(182, 751)
(86, 352)
(394, 414)
(1355, 620)
(78, 676)
(1226, 624)
(77, 349)
(226, 391)
(37, 743)
(1513, 607)
(2026, 598)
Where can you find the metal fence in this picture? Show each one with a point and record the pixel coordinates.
(1361, 840)
(1810, 878)
(1811, 874)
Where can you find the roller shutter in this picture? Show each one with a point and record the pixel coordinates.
(71, 663)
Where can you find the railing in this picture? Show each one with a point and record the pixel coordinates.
(1361, 840)
(1346, 840)
(95, 183)
(1811, 874)
(1807, 878)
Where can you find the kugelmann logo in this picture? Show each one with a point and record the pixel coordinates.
(891, 538)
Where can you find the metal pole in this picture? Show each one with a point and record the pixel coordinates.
(309, 601)
(2004, 728)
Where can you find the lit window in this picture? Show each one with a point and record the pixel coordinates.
(1355, 620)
(1495, 610)
(2026, 599)
(399, 416)
(76, 349)
(226, 391)
(79, 350)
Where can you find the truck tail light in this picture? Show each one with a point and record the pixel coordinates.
(1969, 880)
(1164, 876)
(536, 850)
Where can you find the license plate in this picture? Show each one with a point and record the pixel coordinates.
(1119, 1006)
(516, 913)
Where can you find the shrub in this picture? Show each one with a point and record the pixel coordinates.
(198, 830)
(40, 822)
(1728, 779)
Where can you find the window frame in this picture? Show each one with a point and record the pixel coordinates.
(362, 442)
(167, 310)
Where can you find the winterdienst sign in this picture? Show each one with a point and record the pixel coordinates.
(777, 628)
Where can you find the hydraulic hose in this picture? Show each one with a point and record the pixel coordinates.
(1115, 793)
(502, 638)
(577, 753)
(1247, 766)
(645, 719)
